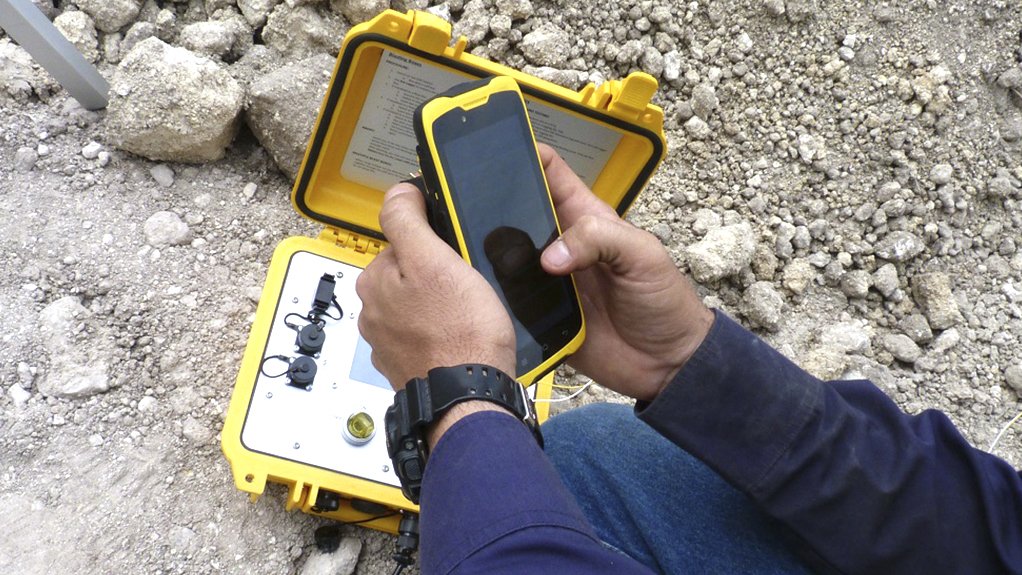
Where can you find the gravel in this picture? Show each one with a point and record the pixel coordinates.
(844, 181)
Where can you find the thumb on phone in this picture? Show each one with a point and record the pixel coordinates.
(592, 240)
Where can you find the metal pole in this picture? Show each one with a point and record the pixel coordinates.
(29, 27)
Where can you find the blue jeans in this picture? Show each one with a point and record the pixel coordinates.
(653, 501)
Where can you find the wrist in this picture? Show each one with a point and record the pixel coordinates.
(455, 414)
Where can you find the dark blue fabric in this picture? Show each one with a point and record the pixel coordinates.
(657, 503)
(862, 487)
(866, 488)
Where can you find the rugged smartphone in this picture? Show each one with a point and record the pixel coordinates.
(487, 197)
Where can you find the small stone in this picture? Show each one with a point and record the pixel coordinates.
(941, 174)
(672, 65)
(902, 347)
(697, 128)
(763, 306)
(195, 431)
(916, 327)
(1013, 377)
(111, 15)
(516, 9)
(147, 403)
(774, 8)
(744, 42)
(932, 293)
(256, 11)
(885, 279)
(846, 53)
(95, 440)
(704, 100)
(358, 11)
(163, 175)
(900, 246)
(341, 562)
(166, 229)
(79, 29)
(846, 337)
(546, 45)
(722, 252)
(139, 31)
(855, 284)
(18, 395)
(249, 190)
(213, 38)
(810, 148)
(78, 366)
(797, 276)
(25, 159)
(91, 150)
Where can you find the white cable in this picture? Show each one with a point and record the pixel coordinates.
(570, 397)
(1001, 433)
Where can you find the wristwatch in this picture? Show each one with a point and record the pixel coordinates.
(424, 400)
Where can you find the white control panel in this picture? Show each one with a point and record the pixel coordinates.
(308, 424)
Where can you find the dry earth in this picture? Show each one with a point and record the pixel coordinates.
(842, 176)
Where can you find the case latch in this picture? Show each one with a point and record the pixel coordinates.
(430, 33)
(346, 239)
(626, 98)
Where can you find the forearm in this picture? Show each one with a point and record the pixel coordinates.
(492, 503)
(866, 487)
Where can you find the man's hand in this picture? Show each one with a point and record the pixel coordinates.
(422, 305)
(643, 318)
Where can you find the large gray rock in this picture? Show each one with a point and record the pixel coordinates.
(722, 252)
(213, 38)
(902, 347)
(111, 15)
(20, 77)
(171, 104)
(547, 45)
(79, 29)
(78, 358)
(283, 106)
(256, 11)
(304, 30)
(932, 293)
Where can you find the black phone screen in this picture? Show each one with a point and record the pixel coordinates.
(497, 187)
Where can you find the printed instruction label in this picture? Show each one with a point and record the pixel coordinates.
(382, 148)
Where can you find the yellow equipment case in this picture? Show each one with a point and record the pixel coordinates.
(307, 408)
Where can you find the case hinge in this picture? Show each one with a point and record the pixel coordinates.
(346, 239)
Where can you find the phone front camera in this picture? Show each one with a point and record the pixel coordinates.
(464, 119)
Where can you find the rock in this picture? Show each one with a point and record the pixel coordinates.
(855, 284)
(170, 104)
(902, 347)
(213, 38)
(195, 431)
(341, 562)
(91, 150)
(899, 246)
(797, 276)
(147, 403)
(941, 174)
(163, 175)
(697, 128)
(19, 395)
(774, 8)
(723, 252)
(546, 45)
(474, 23)
(96, 440)
(1002, 186)
(763, 306)
(79, 29)
(846, 337)
(256, 11)
(25, 159)
(166, 229)
(357, 11)
(672, 65)
(1013, 377)
(283, 106)
(111, 15)
(303, 30)
(932, 293)
(568, 78)
(516, 9)
(77, 351)
(139, 31)
(885, 279)
(916, 327)
(810, 148)
(704, 100)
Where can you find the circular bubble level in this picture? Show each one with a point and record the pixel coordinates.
(359, 428)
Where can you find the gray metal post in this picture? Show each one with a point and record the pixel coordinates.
(29, 27)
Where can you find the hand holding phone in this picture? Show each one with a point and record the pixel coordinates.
(487, 197)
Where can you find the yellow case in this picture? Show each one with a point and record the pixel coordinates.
(433, 173)
(363, 143)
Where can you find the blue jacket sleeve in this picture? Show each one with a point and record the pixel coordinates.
(493, 503)
(864, 487)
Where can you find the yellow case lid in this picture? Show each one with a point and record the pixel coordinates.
(363, 140)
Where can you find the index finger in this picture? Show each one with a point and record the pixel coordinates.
(572, 198)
